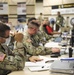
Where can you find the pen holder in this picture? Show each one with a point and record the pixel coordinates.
(70, 52)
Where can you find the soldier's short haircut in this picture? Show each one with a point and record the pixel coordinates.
(40, 13)
(33, 24)
(32, 18)
(3, 28)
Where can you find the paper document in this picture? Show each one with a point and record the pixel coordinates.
(39, 68)
(52, 44)
(40, 63)
(34, 64)
(45, 59)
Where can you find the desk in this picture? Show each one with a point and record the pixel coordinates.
(28, 72)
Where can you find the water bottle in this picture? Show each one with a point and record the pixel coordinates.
(70, 52)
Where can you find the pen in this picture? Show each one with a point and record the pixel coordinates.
(49, 61)
(45, 67)
(42, 66)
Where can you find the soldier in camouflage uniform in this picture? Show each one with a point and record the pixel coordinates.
(40, 18)
(34, 40)
(9, 61)
(47, 29)
(60, 20)
(20, 46)
(12, 61)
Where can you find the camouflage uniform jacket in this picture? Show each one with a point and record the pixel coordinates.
(60, 20)
(44, 37)
(12, 62)
(19, 46)
(35, 46)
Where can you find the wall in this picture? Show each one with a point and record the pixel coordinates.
(47, 4)
(12, 6)
(34, 8)
(38, 8)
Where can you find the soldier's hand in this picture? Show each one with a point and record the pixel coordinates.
(55, 50)
(29, 40)
(35, 59)
(2, 56)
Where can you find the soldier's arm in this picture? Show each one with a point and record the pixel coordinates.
(13, 63)
(32, 50)
(48, 37)
(44, 37)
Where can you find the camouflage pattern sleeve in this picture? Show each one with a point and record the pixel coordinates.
(44, 37)
(48, 37)
(20, 47)
(35, 46)
(13, 63)
(27, 57)
(60, 20)
(32, 50)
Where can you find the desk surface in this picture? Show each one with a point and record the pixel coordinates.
(26, 71)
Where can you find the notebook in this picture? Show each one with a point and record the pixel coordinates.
(42, 68)
(52, 44)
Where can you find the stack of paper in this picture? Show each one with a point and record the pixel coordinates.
(39, 68)
(52, 44)
(40, 65)
(34, 64)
